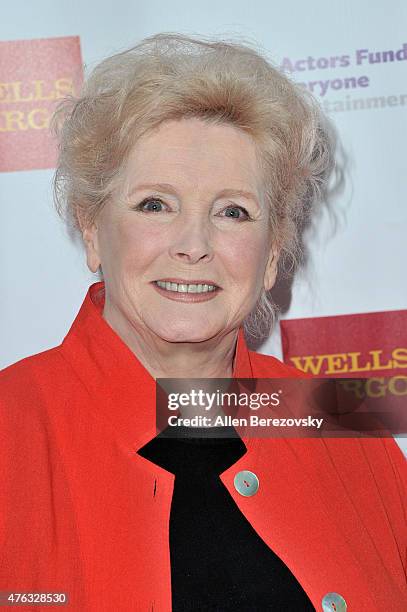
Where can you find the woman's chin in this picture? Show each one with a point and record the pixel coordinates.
(186, 333)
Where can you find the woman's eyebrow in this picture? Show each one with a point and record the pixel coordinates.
(167, 188)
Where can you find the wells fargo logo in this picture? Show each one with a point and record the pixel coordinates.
(353, 362)
(371, 345)
(34, 76)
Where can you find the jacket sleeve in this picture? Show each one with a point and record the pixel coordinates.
(33, 489)
(25, 491)
(399, 467)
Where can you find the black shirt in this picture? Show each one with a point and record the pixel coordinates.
(218, 561)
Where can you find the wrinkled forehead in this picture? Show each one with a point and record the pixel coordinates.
(197, 156)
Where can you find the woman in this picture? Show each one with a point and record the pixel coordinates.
(188, 168)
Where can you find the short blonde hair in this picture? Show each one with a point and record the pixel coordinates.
(170, 76)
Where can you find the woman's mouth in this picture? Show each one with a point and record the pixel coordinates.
(186, 292)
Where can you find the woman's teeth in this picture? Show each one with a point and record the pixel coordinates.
(181, 288)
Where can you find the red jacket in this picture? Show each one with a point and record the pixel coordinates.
(82, 513)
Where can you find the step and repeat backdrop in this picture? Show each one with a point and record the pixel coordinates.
(345, 312)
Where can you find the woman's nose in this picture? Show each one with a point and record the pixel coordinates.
(191, 241)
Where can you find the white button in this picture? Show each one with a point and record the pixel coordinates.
(246, 483)
(333, 602)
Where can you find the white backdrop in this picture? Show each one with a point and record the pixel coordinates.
(360, 268)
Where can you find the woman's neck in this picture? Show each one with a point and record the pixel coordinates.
(213, 358)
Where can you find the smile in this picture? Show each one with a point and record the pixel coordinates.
(191, 293)
(185, 288)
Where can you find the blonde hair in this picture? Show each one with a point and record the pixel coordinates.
(170, 76)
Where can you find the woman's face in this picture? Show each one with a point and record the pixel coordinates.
(185, 218)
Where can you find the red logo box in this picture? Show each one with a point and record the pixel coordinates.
(369, 350)
(34, 76)
(362, 345)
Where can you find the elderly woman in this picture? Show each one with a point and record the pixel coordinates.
(188, 167)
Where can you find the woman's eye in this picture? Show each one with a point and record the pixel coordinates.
(238, 212)
(151, 205)
(154, 205)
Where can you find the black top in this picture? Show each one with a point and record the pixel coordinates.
(218, 561)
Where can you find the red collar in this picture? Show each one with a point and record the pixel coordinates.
(120, 388)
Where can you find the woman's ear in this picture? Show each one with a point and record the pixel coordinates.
(270, 273)
(90, 240)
